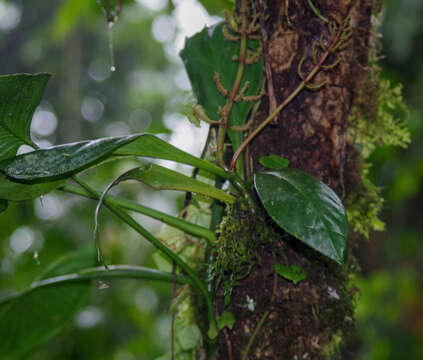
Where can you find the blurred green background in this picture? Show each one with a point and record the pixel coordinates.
(128, 320)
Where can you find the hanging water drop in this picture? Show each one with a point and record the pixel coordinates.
(102, 285)
(110, 24)
(35, 257)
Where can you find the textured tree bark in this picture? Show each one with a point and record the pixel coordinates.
(313, 319)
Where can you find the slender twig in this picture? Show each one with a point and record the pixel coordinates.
(186, 226)
(172, 331)
(204, 117)
(228, 343)
(226, 111)
(266, 60)
(197, 283)
(296, 91)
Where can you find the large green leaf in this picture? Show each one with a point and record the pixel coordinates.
(161, 178)
(306, 208)
(31, 318)
(17, 191)
(208, 52)
(148, 145)
(62, 160)
(20, 94)
(65, 160)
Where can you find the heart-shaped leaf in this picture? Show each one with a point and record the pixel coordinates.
(295, 273)
(20, 94)
(306, 208)
(207, 53)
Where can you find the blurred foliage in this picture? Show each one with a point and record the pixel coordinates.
(128, 320)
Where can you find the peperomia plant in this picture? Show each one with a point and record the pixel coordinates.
(225, 66)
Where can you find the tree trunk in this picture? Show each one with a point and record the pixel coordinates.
(313, 319)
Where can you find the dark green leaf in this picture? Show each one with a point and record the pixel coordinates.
(3, 205)
(216, 7)
(295, 273)
(31, 318)
(274, 162)
(17, 191)
(208, 52)
(65, 160)
(62, 160)
(161, 178)
(20, 94)
(306, 208)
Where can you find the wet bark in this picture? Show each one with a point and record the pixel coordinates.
(313, 319)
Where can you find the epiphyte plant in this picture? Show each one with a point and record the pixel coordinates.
(225, 66)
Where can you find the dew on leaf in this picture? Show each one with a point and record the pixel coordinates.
(102, 285)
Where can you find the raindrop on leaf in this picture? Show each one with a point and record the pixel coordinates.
(102, 285)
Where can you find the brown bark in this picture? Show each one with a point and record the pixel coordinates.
(304, 321)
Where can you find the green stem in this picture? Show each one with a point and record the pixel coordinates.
(255, 333)
(114, 271)
(181, 224)
(196, 282)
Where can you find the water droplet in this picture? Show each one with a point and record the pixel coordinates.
(102, 285)
(35, 257)
(111, 48)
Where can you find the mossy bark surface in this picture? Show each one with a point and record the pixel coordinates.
(314, 318)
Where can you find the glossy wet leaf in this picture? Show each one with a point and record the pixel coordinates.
(306, 208)
(62, 160)
(161, 178)
(274, 162)
(65, 160)
(208, 52)
(20, 94)
(295, 273)
(17, 191)
(34, 316)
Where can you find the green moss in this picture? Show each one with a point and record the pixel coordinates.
(240, 234)
(378, 118)
(364, 205)
(334, 347)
